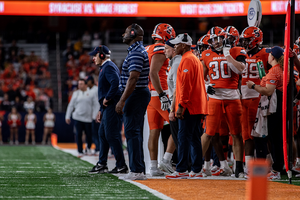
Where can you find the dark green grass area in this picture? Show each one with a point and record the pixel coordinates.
(43, 172)
(285, 179)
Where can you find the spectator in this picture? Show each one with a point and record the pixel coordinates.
(29, 104)
(18, 104)
(30, 121)
(32, 57)
(9, 72)
(86, 41)
(95, 126)
(96, 42)
(22, 54)
(14, 122)
(82, 108)
(6, 104)
(13, 48)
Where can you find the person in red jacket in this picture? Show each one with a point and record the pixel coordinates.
(191, 107)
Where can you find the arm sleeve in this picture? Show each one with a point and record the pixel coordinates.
(187, 76)
(112, 77)
(71, 105)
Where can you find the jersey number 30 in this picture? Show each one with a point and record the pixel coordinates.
(223, 69)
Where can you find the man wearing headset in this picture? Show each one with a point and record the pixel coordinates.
(111, 123)
(135, 99)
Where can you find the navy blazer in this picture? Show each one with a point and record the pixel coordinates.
(108, 83)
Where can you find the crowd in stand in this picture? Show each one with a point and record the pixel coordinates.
(24, 81)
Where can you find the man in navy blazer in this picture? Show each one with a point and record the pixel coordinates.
(110, 122)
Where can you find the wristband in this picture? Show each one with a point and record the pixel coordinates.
(253, 86)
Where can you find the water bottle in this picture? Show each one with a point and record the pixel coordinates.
(261, 68)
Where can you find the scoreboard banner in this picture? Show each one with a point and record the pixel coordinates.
(140, 9)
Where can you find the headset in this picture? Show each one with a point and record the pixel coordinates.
(185, 39)
(133, 31)
(102, 55)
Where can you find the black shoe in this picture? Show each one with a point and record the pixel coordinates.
(122, 170)
(99, 169)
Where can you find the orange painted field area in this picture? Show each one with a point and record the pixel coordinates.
(217, 189)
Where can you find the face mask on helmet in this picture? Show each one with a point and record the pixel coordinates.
(216, 42)
(202, 47)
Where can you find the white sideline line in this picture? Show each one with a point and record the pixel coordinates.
(154, 192)
(92, 161)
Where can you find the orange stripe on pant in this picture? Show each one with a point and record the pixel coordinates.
(156, 116)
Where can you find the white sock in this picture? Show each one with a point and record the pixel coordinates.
(247, 159)
(206, 164)
(168, 156)
(224, 164)
(298, 160)
(153, 164)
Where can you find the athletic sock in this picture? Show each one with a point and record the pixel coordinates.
(168, 156)
(298, 160)
(153, 164)
(247, 159)
(239, 168)
(224, 164)
(206, 164)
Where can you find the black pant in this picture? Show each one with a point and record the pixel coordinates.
(86, 127)
(275, 134)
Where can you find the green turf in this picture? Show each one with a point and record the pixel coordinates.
(295, 181)
(37, 172)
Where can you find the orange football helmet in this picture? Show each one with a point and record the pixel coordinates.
(215, 34)
(163, 31)
(251, 37)
(232, 34)
(202, 43)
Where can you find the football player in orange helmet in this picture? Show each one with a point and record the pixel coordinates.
(224, 64)
(157, 109)
(202, 44)
(232, 34)
(250, 39)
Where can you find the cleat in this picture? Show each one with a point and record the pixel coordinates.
(134, 176)
(166, 166)
(296, 168)
(199, 175)
(178, 175)
(207, 172)
(122, 170)
(80, 155)
(223, 172)
(99, 169)
(214, 169)
(156, 172)
(274, 176)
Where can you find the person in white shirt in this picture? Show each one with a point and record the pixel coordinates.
(82, 107)
(95, 126)
(29, 104)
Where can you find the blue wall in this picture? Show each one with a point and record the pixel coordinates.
(64, 131)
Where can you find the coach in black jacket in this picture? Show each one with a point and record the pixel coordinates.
(111, 123)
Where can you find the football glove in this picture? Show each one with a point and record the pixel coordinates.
(164, 100)
(226, 47)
